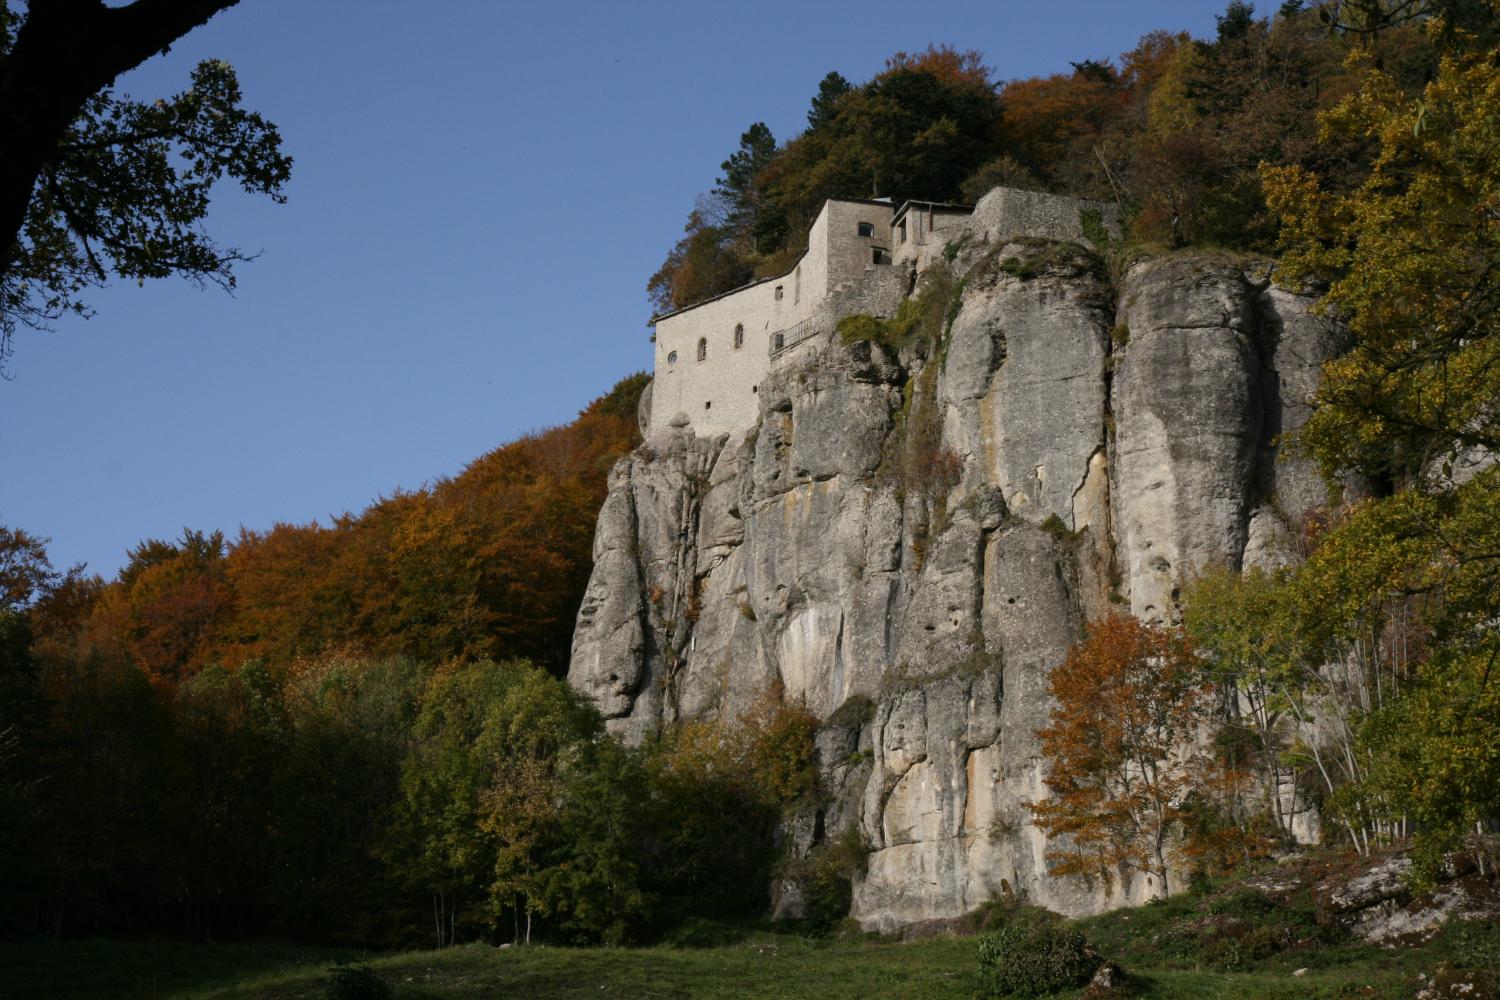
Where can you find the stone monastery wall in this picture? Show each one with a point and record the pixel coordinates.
(712, 357)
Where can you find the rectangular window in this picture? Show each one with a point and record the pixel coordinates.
(901, 232)
(867, 229)
(880, 256)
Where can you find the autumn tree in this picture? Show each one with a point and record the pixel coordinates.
(164, 611)
(916, 130)
(490, 562)
(92, 184)
(1128, 771)
(26, 572)
(1048, 119)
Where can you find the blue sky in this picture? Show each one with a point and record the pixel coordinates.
(480, 191)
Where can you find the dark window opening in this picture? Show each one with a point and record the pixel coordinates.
(867, 229)
(702, 349)
(755, 388)
(708, 404)
(672, 358)
(778, 293)
(739, 336)
(880, 256)
(780, 341)
(901, 233)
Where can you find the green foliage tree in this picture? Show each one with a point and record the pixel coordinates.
(229, 731)
(22, 767)
(335, 799)
(443, 778)
(737, 186)
(1410, 256)
(595, 881)
(832, 90)
(480, 783)
(92, 184)
(1245, 630)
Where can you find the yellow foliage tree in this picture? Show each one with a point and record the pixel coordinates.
(1413, 259)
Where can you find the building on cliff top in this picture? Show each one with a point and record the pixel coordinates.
(861, 257)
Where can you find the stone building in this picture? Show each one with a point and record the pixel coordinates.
(712, 356)
(920, 230)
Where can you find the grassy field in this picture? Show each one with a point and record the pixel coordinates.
(1230, 943)
(780, 967)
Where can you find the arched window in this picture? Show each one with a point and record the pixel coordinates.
(702, 349)
(739, 336)
(672, 358)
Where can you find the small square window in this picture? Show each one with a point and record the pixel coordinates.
(867, 229)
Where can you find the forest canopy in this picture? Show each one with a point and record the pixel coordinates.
(1174, 131)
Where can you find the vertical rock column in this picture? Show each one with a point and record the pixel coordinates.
(1187, 410)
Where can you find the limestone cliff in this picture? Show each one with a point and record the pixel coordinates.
(910, 540)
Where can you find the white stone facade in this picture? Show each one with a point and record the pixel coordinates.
(712, 356)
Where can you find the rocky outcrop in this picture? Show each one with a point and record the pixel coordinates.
(909, 541)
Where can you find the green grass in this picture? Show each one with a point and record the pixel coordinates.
(764, 966)
(89, 969)
(1173, 951)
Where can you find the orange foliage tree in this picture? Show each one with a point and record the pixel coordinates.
(490, 562)
(1133, 783)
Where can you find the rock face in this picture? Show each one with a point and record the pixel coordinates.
(910, 541)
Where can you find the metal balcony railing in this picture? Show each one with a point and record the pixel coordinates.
(784, 340)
